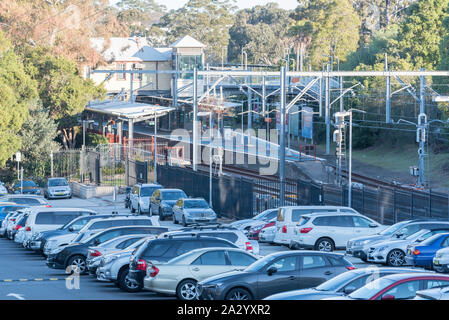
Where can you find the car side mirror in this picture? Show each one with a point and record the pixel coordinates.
(419, 240)
(349, 289)
(96, 242)
(399, 235)
(71, 229)
(271, 270)
(388, 297)
(373, 225)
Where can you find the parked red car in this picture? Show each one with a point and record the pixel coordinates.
(253, 233)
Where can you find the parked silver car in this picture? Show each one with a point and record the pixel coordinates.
(57, 188)
(193, 210)
(114, 266)
(95, 253)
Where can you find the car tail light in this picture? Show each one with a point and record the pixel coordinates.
(94, 253)
(284, 229)
(153, 271)
(13, 219)
(269, 225)
(48, 206)
(17, 227)
(28, 229)
(305, 230)
(141, 265)
(249, 246)
(350, 267)
(416, 252)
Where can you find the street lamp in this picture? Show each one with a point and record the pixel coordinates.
(205, 114)
(343, 115)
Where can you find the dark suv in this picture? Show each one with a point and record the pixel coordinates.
(75, 254)
(165, 249)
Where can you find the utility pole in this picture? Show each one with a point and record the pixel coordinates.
(327, 113)
(282, 139)
(387, 94)
(195, 118)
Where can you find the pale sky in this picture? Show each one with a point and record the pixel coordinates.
(242, 4)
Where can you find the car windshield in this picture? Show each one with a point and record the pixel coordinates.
(259, 264)
(57, 183)
(147, 191)
(416, 234)
(338, 281)
(392, 229)
(370, 289)
(429, 241)
(261, 216)
(172, 195)
(199, 204)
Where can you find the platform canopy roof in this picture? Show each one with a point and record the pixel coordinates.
(128, 110)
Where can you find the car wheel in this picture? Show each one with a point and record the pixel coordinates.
(395, 258)
(127, 285)
(238, 294)
(325, 245)
(184, 223)
(186, 290)
(78, 264)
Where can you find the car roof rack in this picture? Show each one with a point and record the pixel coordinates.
(185, 234)
(213, 226)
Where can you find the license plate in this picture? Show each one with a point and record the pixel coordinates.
(60, 193)
(436, 262)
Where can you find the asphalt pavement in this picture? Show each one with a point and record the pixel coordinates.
(24, 274)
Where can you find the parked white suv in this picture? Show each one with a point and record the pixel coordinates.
(96, 225)
(288, 217)
(327, 231)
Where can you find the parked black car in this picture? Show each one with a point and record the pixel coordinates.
(341, 285)
(276, 272)
(75, 254)
(165, 249)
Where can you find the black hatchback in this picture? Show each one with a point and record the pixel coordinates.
(75, 254)
(165, 249)
(274, 273)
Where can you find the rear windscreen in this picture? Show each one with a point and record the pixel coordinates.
(230, 236)
(55, 217)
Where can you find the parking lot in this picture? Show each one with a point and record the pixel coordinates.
(24, 274)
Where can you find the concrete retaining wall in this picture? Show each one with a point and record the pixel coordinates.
(86, 191)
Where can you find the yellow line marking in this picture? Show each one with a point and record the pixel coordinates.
(54, 279)
(23, 279)
(7, 280)
(39, 279)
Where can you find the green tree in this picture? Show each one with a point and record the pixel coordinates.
(334, 28)
(262, 30)
(140, 15)
(17, 93)
(422, 32)
(207, 21)
(63, 92)
(38, 140)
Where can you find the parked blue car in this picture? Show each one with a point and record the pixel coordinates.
(7, 208)
(421, 255)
